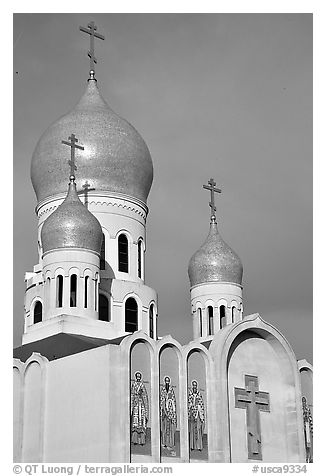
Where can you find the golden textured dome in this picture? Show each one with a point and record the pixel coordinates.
(71, 225)
(215, 261)
(115, 157)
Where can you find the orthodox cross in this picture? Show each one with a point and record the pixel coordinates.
(253, 401)
(91, 30)
(87, 189)
(211, 187)
(73, 144)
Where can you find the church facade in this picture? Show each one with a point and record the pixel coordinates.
(93, 382)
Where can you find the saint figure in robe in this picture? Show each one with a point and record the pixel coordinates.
(139, 410)
(308, 429)
(168, 414)
(196, 417)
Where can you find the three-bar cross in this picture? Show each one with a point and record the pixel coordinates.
(87, 188)
(91, 30)
(211, 187)
(73, 144)
(253, 401)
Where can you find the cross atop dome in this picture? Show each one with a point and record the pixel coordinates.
(91, 31)
(211, 187)
(73, 144)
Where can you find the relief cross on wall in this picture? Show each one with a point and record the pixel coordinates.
(253, 401)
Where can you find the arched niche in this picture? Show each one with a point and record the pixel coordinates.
(306, 380)
(306, 377)
(260, 375)
(33, 425)
(17, 410)
(197, 406)
(140, 402)
(170, 409)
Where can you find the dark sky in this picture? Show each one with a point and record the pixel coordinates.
(227, 96)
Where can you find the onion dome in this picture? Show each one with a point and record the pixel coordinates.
(71, 225)
(115, 157)
(215, 261)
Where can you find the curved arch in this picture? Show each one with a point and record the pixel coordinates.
(172, 365)
(59, 270)
(73, 270)
(209, 302)
(126, 346)
(32, 388)
(34, 300)
(18, 407)
(222, 347)
(86, 272)
(303, 364)
(124, 231)
(141, 238)
(205, 375)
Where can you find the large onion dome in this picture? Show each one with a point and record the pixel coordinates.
(115, 157)
(215, 261)
(71, 225)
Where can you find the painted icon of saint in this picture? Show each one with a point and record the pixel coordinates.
(139, 410)
(168, 414)
(308, 429)
(196, 417)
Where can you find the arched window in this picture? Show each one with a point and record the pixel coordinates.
(59, 290)
(200, 322)
(73, 290)
(86, 291)
(210, 320)
(95, 293)
(103, 314)
(38, 308)
(123, 253)
(131, 315)
(151, 321)
(233, 313)
(102, 255)
(140, 258)
(48, 290)
(222, 316)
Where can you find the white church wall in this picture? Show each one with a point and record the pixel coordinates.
(32, 408)
(77, 407)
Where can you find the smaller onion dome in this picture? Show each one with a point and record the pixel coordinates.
(71, 225)
(215, 261)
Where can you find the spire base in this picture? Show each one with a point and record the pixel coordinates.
(92, 75)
